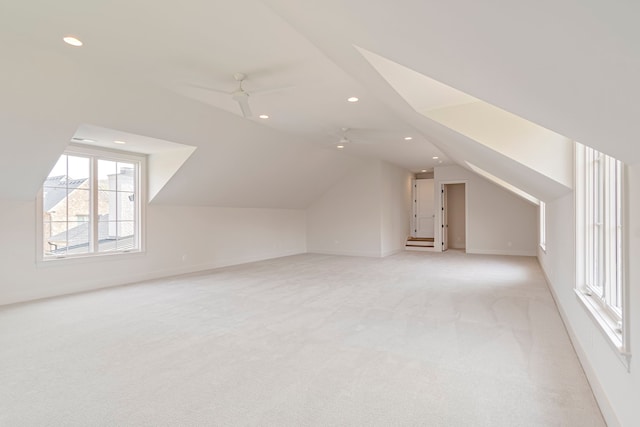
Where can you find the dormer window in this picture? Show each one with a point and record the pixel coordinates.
(90, 204)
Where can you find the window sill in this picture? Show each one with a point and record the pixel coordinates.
(606, 325)
(89, 258)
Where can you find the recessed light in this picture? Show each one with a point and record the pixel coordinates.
(435, 157)
(353, 99)
(339, 147)
(72, 41)
(408, 138)
(119, 142)
(263, 116)
(423, 170)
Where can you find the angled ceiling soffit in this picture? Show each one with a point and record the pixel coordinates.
(529, 144)
(164, 158)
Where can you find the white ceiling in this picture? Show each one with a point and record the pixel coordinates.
(566, 65)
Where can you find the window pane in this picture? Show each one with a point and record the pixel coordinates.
(106, 235)
(79, 203)
(117, 235)
(78, 168)
(78, 238)
(126, 206)
(55, 241)
(57, 176)
(127, 235)
(126, 177)
(106, 174)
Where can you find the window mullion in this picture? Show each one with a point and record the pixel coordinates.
(95, 212)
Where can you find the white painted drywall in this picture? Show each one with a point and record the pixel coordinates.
(346, 219)
(365, 214)
(534, 146)
(232, 152)
(498, 222)
(396, 208)
(456, 216)
(179, 240)
(617, 391)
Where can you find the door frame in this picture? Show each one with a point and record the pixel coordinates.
(414, 207)
(439, 240)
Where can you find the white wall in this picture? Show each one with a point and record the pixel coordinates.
(617, 391)
(396, 208)
(456, 216)
(498, 222)
(206, 237)
(365, 214)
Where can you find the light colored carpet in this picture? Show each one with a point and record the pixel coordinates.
(311, 340)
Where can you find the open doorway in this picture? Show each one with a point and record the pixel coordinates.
(454, 212)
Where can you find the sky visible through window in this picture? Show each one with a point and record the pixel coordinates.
(78, 168)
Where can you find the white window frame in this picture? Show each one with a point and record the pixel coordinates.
(601, 284)
(543, 225)
(96, 154)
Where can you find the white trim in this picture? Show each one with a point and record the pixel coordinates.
(414, 210)
(437, 243)
(604, 317)
(542, 225)
(596, 387)
(603, 321)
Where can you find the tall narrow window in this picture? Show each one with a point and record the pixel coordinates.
(599, 203)
(91, 204)
(543, 225)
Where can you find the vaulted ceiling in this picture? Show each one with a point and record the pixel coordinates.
(567, 66)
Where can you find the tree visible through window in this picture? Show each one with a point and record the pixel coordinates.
(90, 204)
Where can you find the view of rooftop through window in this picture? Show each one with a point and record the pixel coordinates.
(89, 205)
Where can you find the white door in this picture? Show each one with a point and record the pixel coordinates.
(425, 212)
(445, 219)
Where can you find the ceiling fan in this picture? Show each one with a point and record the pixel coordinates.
(348, 136)
(240, 95)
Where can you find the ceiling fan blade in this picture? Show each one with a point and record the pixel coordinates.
(271, 90)
(243, 101)
(210, 89)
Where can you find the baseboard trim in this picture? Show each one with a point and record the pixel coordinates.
(531, 252)
(596, 388)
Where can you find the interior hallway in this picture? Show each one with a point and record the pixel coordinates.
(412, 339)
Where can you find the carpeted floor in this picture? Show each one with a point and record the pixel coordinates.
(415, 339)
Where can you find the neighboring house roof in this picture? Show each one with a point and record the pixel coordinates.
(55, 190)
(76, 238)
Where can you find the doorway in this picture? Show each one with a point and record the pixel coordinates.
(454, 213)
(424, 209)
